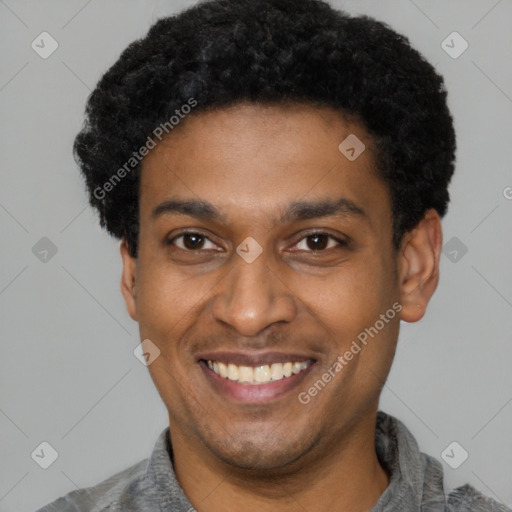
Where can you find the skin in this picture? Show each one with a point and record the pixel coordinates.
(251, 162)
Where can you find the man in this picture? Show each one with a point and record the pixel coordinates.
(276, 172)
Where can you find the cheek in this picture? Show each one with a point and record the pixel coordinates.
(166, 298)
(350, 298)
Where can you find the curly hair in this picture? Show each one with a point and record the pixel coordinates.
(220, 52)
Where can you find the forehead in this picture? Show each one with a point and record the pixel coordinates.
(258, 159)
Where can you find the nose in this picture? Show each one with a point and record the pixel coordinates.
(252, 297)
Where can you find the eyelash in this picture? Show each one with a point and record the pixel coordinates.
(341, 243)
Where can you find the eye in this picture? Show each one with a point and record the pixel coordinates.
(314, 242)
(191, 241)
(319, 242)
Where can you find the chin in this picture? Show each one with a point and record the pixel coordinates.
(252, 451)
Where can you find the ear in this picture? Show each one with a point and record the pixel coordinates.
(419, 266)
(128, 288)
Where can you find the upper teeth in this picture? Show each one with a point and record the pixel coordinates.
(258, 374)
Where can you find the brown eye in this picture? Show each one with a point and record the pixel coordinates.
(319, 242)
(191, 241)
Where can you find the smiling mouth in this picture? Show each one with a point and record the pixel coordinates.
(258, 375)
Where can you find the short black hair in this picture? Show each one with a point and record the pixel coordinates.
(222, 52)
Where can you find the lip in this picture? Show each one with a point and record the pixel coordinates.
(254, 359)
(259, 393)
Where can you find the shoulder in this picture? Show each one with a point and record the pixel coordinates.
(105, 496)
(468, 499)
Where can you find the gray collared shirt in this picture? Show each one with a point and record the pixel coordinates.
(416, 482)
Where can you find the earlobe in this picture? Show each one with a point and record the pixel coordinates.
(419, 266)
(128, 280)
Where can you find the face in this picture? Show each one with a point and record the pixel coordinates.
(262, 245)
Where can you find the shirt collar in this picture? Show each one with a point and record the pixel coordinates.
(416, 479)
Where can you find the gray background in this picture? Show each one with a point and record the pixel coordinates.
(68, 373)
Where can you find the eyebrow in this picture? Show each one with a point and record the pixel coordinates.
(298, 210)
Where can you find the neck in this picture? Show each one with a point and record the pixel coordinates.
(345, 475)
